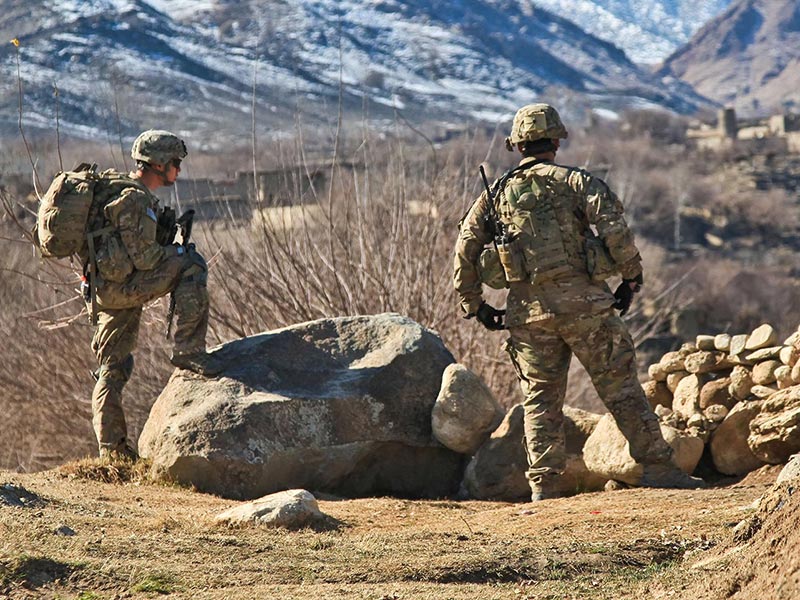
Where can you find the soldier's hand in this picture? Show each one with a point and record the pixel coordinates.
(490, 317)
(625, 292)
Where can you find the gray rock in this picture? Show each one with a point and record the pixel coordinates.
(738, 342)
(290, 509)
(763, 391)
(716, 413)
(338, 405)
(705, 342)
(790, 472)
(657, 393)
(64, 530)
(722, 342)
(497, 471)
(741, 382)
(783, 377)
(729, 450)
(716, 391)
(465, 413)
(775, 430)
(686, 401)
(706, 362)
(762, 336)
(606, 452)
(764, 354)
(673, 379)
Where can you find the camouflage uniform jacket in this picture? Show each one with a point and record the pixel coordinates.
(578, 200)
(132, 245)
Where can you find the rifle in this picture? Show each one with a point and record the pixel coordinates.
(496, 226)
(185, 223)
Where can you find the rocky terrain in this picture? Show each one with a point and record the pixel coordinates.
(746, 57)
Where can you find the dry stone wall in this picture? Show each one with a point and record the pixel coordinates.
(717, 387)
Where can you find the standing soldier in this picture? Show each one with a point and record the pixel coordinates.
(538, 219)
(136, 262)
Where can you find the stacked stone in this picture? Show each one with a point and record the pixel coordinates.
(714, 388)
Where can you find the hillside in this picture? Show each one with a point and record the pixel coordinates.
(747, 57)
(120, 65)
(647, 30)
(77, 537)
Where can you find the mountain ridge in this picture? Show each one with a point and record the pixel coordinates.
(433, 60)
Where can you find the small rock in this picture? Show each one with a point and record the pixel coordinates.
(672, 362)
(738, 342)
(763, 391)
(722, 342)
(796, 372)
(764, 354)
(793, 340)
(697, 421)
(657, 393)
(729, 449)
(662, 412)
(717, 391)
(615, 486)
(790, 472)
(673, 379)
(686, 401)
(764, 372)
(290, 509)
(789, 355)
(783, 376)
(705, 342)
(657, 372)
(716, 413)
(465, 413)
(64, 530)
(762, 336)
(741, 382)
(706, 362)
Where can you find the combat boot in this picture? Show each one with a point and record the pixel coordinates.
(668, 475)
(123, 452)
(202, 363)
(544, 487)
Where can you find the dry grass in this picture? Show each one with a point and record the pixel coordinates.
(136, 540)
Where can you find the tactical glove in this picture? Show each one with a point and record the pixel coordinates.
(490, 317)
(166, 227)
(625, 292)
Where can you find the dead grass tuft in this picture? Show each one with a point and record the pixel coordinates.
(105, 470)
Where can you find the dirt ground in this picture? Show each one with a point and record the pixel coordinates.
(63, 535)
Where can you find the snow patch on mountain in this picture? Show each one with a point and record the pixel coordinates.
(647, 30)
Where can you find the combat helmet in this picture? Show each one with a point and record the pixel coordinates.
(155, 146)
(535, 122)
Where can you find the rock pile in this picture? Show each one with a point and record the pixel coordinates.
(739, 394)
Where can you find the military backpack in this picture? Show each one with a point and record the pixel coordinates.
(70, 212)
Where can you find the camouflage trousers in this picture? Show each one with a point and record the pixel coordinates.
(119, 315)
(541, 353)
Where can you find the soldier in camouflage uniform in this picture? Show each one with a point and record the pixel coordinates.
(136, 263)
(558, 302)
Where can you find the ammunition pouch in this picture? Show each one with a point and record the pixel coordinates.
(113, 262)
(512, 258)
(490, 269)
(599, 263)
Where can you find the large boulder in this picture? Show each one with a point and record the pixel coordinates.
(497, 471)
(775, 430)
(607, 454)
(465, 413)
(338, 405)
(729, 450)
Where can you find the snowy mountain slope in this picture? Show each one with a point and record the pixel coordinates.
(130, 63)
(748, 57)
(647, 30)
